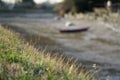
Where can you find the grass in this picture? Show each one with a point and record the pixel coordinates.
(21, 61)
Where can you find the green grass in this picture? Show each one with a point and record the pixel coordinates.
(21, 61)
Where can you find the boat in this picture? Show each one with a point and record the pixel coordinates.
(74, 30)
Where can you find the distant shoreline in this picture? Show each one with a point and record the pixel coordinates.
(25, 10)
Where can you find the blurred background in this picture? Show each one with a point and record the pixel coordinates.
(41, 20)
(65, 5)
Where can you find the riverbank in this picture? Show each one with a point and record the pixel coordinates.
(99, 14)
(99, 45)
(22, 61)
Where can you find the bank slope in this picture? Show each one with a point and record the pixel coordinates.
(20, 61)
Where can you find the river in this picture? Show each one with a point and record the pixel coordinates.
(99, 45)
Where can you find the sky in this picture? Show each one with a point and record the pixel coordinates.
(9, 1)
(50, 1)
(36, 1)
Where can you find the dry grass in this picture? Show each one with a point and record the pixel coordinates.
(101, 11)
(20, 61)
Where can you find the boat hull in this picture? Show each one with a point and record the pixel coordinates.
(74, 30)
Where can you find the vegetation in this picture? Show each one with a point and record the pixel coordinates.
(29, 3)
(73, 6)
(20, 61)
(76, 6)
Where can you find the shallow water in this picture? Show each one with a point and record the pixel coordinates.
(99, 45)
